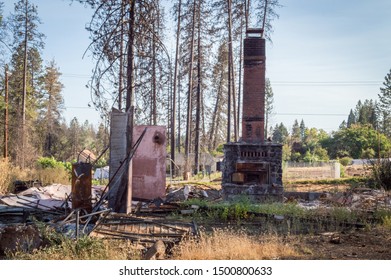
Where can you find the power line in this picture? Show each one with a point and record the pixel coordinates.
(327, 83)
(80, 107)
(310, 114)
(68, 75)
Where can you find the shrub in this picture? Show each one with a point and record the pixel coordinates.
(381, 173)
(50, 171)
(52, 175)
(345, 161)
(386, 222)
(48, 162)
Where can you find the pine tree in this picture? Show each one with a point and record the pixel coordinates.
(266, 13)
(296, 132)
(218, 121)
(51, 109)
(385, 105)
(302, 130)
(351, 119)
(280, 134)
(4, 48)
(269, 105)
(27, 44)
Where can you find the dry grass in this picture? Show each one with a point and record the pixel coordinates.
(229, 245)
(8, 174)
(297, 187)
(83, 249)
(49, 176)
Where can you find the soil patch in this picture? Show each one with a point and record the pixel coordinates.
(374, 244)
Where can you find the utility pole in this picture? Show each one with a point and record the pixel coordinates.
(5, 155)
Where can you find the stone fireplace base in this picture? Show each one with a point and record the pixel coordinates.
(254, 170)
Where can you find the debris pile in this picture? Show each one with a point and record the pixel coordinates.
(148, 225)
(193, 191)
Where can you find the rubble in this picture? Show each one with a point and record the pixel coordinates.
(143, 230)
(193, 191)
(147, 225)
(51, 197)
(364, 199)
(19, 237)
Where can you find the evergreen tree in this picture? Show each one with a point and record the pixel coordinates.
(102, 140)
(3, 35)
(280, 134)
(217, 127)
(26, 69)
(385, 105)
(351, 119)
(296, 132)
(74, 139)
(343, 125)
(269, 106)
(266, 12)
(51, 109)
(302, 130)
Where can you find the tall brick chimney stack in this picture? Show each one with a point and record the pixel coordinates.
(253, 117)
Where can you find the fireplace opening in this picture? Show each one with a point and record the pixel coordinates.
(249, 173)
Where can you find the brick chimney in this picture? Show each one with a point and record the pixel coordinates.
(253, 117)
(253, 166)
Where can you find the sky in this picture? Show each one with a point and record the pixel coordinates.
(324, 57)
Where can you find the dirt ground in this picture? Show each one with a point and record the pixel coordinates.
(373, 244)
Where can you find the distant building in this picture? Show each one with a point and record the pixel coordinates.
(101, 173)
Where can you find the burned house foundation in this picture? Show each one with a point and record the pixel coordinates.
(253, 166)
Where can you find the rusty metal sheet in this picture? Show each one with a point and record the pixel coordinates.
(143, 230)
(81, 186)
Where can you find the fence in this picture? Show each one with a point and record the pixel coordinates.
(313, 170)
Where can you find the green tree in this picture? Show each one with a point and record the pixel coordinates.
(27, 44)
(33, 90)
(296, 137)
(102, 140)
(74, 139)
(280, 134)
(269, 105)
(351, 119)
(302, 129)
(313, 145)
(385, 105)
(358, 141)
(364, 113)
(51, 109)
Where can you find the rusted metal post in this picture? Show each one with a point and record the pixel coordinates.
(81, 186)
(77, 223)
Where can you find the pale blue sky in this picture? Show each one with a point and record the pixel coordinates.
(325, 56)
